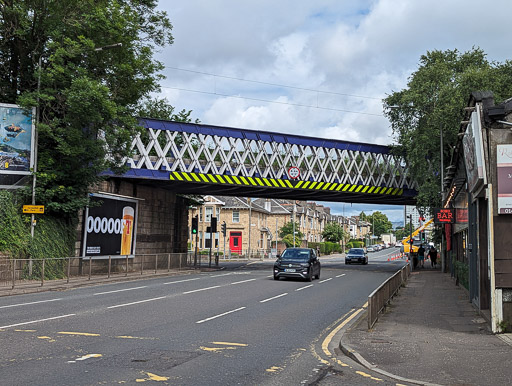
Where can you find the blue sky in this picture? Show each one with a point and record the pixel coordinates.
(251, 63)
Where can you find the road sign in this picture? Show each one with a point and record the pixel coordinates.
(36, 209)
(294, 172)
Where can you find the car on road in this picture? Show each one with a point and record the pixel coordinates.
(356, 255)
(370, 248)
(299, 263)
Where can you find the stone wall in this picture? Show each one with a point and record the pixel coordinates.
(162, 217)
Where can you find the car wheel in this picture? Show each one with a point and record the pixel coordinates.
(318, 275)
(310, 276)
(276, 277)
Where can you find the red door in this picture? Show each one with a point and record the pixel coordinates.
(235, 242)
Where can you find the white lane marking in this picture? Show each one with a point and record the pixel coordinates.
(272, 298)
(86, 357)
(140, 301)
(37, 321)
(323, 281)
(300, 289)
(201, 289)
(224, 274)
(218, 316)
(25, 304)
(243, 281)
(121, 290)
(343, 274)
(182, 281)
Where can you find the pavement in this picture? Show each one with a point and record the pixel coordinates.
(431, 335)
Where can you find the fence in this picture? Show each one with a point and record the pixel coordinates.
(15, 272)
(379, 298)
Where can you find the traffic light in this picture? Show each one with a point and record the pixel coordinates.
(195, 222)
(423, 237)
(223, 228)
(213, 224)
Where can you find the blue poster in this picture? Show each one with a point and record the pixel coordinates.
(16, 139)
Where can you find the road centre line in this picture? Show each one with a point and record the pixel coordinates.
(182, 281)
(121, 290)
(301, 288)
(218, 316)
(323, 281)
(201, 289)
(140, 301)
(343, 274)
(243, 281)
(272, 298)
(37, 321)
(26, 304)
(224, 274)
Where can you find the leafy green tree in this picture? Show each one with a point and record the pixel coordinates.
(434, 100)
(88, 97)
(288, 240)
(333, 232)
(379, 221)
(287, 229)
(401, 233)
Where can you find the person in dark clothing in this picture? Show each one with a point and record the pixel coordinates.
(432, 254)
(421, 256)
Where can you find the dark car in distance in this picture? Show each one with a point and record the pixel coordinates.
(356, 255)
(297, 262)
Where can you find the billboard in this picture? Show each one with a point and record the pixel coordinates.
(444, 216)
(17, 129)
(110, 226)
(474, 153)
(504, 171)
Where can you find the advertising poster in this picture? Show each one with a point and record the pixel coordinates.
(504, 168)
(16, 139)
(474, 153)
(110, 227)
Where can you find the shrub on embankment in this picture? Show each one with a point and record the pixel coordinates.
(53, 237)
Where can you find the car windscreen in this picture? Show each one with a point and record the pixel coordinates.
(356, 252)
(296, 255)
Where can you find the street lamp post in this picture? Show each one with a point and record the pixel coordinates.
(410, 241)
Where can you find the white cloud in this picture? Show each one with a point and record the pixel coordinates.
(366, 48)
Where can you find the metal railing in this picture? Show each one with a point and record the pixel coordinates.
(15, 272)
(379, 298)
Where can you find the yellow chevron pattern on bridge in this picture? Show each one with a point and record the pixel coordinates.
(282, 183)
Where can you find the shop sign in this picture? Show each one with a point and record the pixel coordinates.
(504, 171)
(443, 216)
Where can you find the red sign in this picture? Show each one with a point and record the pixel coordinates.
(444, 216)
(294, 172)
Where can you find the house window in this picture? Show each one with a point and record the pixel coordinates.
(208, 214)
(200, 214)
(236, 216)
(217, 212)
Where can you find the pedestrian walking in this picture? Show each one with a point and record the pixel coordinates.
(421, 256)
(432, 254)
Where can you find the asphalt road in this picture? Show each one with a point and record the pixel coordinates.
(232, 327)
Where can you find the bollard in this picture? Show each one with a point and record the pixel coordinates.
(141, 264)
(90, 266)
(126, 273)
(156, 261)
(168, 262)
(109, 265)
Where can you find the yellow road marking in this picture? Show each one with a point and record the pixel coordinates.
(231, 344)
(46, 337)
(274, 369)
(152, 377)
(25, 330)
(328, 339)
(77, 333)
(368, 375)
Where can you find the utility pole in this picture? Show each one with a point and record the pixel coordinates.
(250, 225)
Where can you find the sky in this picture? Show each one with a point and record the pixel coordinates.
(317, 68)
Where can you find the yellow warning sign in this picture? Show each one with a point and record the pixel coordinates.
(36, 209)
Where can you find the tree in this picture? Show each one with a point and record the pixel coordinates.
(434, 100)
(380, 223)
(88, 98)
(333, 232)
(287, 229)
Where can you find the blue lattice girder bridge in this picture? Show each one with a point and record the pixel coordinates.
(203, 159)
